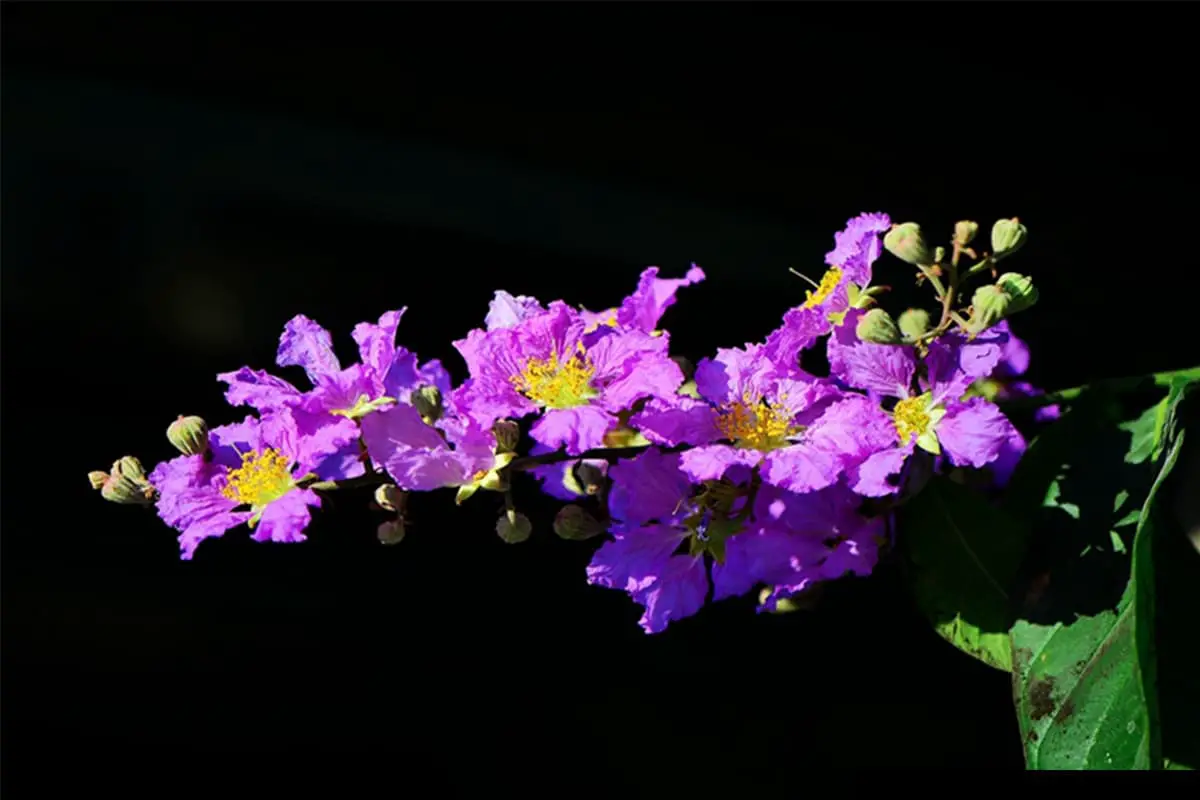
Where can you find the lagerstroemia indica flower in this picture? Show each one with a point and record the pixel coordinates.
(545, 363)
(755, 412)
(971, 432)
(667, 530)
(249, 476)
(841, 287)
(384, 375)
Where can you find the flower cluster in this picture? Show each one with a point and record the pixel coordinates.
(747, 473)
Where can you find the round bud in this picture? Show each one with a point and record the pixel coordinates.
(877, 327)
(907, 243)
(513, 527)
(914, 323)
(189, 435)
(1008, 235)
(575, 524)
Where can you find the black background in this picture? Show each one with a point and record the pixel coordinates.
(742, 135)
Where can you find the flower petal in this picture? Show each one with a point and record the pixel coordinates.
(377, 342)
(306, 344)
(683, 420)
(650, 486)
(285, 519)
(653, 296)
(974, 433)
(258, 389)
(712, 461)
(576, 429)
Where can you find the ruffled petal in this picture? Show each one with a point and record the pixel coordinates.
(306, 344)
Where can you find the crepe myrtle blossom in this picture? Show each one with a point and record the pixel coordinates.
(544, 363)
(249, 475)
(384, 375)
(970, 431)
(842, 287)
(667, 531)
(755, 412)
(455, 452)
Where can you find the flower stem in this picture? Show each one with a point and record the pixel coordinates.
(1116, 385)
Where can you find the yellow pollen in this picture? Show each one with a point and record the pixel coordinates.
(261, 478)
(554, 383)
(829, 282)
(911, 416)
(478, 476)
(754, 425)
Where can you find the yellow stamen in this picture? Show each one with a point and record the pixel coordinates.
(829, 282)
(479, 475)
(754, 425)
(262, 477)
(911, 416)
(557, 384)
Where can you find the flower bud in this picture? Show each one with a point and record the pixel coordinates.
(1007, 237)
(189, 435)
(877, 327)
(906, 242)
(428, 402)
(914, 323)
(126, 484)
(508, 435)
(964, 232)
(97, 478)
(939, 254)
(590, 475)
(1020, 289)
(390, 497)
(575, 524)
(990, 303)
(513, 527)
(390, 532)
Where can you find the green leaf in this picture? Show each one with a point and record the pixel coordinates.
(1085, 666)
(963, 555)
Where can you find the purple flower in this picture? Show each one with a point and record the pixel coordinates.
(797, 540)
(856, 249)
(972, 432)
(754, 412)
(665, 527)
(544, 362)
(250, 477)
(384, 375)
(457, 453)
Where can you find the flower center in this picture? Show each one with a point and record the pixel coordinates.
(829, 282)
(754, 425)
(911, 416)
(557, 384)
(262, 477)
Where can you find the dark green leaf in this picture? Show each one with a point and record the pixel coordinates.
(963, 555)
(1085, 665)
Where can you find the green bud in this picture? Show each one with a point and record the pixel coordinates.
(508, 435)
(877, 327)
(1008, 235)
(390, 532)
(427, 400)
(907, 243)
(575, 524)
(97, 478)
(990, 303)
(1020, 288)
(591, 478)
(126, 484)
(390, 497)
(939, 254)
(914, 323)
(513, 527)
(189, 435)
(964, 232)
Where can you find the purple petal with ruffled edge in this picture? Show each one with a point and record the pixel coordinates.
(858, 246)
(630, 365)
(974, 433)
(633, 561)
(377, 342)
(306, 344)
(882, 368)
(653, 296)
(677, 592)
(308, 438)
(1007, 459)
(764, 555)
(712, 461)
(285, 519)
(397, 428)
(258, 389)
(854, 427)
(507, 311)
(683, 420)
(802, 468)
(801, 327)
(346, 463)
(870, 477)
(576, 429)
(954, 363)
(650, 486)
(210, 527)
(1014, 353)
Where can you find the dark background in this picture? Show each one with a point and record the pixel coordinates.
(180, 179)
